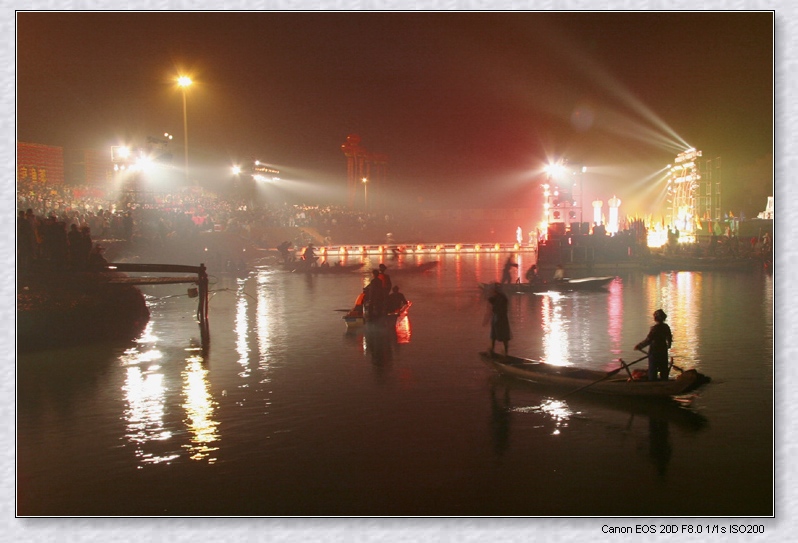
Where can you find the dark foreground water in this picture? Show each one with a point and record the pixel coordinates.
(288, 414)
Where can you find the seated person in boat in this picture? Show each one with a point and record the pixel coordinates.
(396, 300)
(559, 273)
(532, 274)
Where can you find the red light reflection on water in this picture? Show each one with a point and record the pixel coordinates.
(403, 331)
(615, 315)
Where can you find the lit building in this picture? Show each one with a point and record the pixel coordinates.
(562, 200)
(694, 194)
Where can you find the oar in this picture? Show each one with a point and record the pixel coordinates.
(610, 374)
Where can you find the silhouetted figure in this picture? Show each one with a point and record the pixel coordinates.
(499, 320)
(658, 341)
(508, 265)
(376, 298)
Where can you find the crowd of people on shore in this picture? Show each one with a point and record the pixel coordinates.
(52, 212)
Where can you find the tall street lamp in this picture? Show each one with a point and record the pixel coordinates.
(184, 82)
(365, 193)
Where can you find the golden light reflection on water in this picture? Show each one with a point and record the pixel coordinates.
(679, 295)
(556, 410)
(266, 326)
(145, 392)
(242, 333)
(555, 336)
(200, 408)
(145, 395)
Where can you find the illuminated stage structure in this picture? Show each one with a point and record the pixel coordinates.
(363, 168)
(694, 194)
(562, 206)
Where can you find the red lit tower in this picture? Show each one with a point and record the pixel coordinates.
(362, 165)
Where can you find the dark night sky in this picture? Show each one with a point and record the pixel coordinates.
(468, 106)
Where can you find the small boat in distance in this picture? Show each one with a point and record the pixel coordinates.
(303, 266)
(566, 285)
(571, 379)
(419, 268)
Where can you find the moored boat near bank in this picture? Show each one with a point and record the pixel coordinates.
(570, 379)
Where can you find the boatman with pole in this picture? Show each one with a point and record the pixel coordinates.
(658, 340)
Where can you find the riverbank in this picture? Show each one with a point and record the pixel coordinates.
(59, 308)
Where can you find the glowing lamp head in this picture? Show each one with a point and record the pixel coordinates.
(184, 81)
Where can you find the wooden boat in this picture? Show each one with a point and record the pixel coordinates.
(301, 266)
(571, 379)
(420, 268)
(566, 285)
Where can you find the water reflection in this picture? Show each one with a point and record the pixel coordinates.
(242, 333)
(679, 294)
(555, 336)
(200, 409)
(615, 316)
(555, 417)
(145, 395)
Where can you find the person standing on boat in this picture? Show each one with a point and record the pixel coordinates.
(658, 341)
(385, 278)
(376, 297)
(509, 265)
(499, 320)
(309, 256)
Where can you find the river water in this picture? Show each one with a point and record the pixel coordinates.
(288, 414)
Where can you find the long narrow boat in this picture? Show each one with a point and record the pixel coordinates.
(301, 266)
(569, 379)
(419, 268)
(566, 285)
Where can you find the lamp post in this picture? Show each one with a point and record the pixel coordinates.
(365, 193)
(184, 82)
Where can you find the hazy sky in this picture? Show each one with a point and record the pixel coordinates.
(467, 106)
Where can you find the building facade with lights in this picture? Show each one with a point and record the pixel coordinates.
(694, 194)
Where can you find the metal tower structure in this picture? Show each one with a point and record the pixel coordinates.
(683, 186)
(363, 168)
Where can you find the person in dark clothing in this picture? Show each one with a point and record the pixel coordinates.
(376, 297)
(285, 251)
(385, 278)
(499, 320)
(508, 265)
(658, 341)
